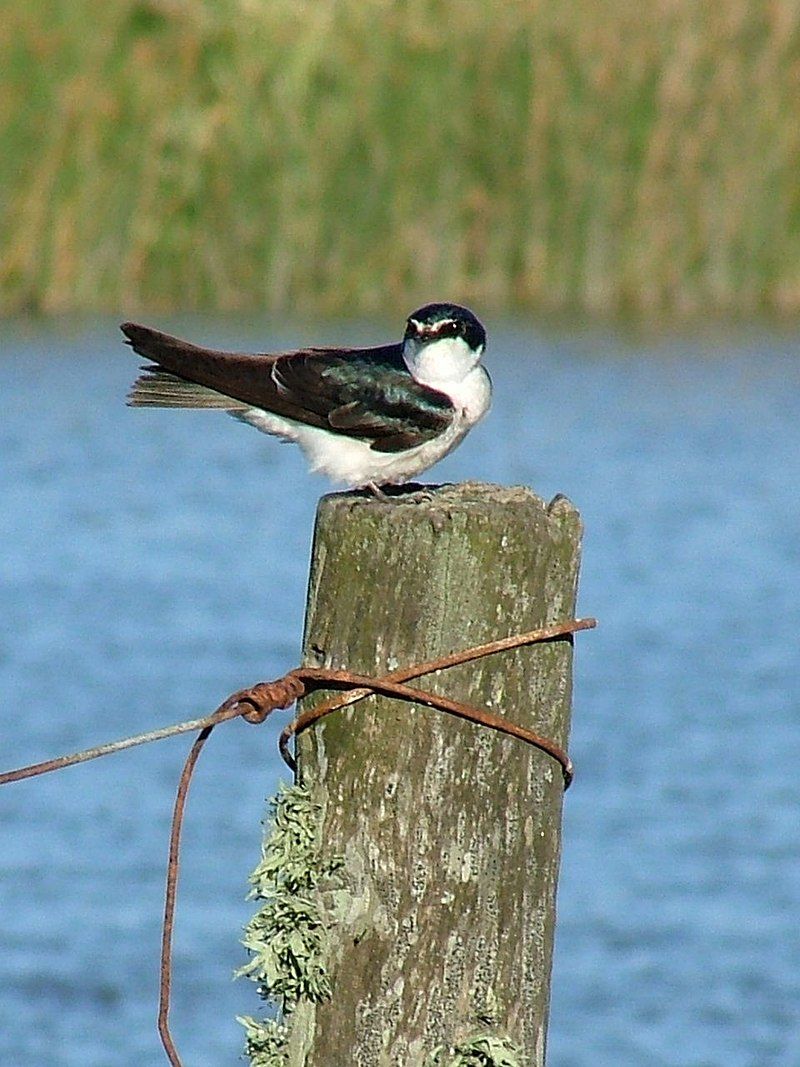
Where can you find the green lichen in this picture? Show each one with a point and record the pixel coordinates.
(288, 937)
(266, 1041)
(483, 1050)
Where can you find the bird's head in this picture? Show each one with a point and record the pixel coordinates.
(434, 322)
(442, 342)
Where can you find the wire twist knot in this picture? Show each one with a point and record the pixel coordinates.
(266, 697)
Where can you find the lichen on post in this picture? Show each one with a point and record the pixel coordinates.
(287, 938)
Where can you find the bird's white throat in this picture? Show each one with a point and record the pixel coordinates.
(440, 364)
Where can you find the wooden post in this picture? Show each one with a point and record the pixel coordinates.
(450, 833)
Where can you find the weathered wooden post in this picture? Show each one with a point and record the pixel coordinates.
(450, 833)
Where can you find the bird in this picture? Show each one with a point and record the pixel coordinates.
(366, 418)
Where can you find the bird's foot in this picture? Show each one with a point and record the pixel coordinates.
(378, 492)
(391, 492)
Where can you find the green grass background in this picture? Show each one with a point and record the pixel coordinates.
(600, 156)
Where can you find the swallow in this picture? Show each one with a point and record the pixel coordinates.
(365, 417)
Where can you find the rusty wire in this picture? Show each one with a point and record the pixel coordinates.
(389, 685)
(255, 704)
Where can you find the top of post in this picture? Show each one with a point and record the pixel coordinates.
(470, 496)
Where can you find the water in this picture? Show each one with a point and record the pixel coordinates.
(153, 562)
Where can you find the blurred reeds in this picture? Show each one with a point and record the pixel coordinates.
(347, 155)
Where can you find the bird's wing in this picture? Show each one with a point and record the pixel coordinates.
(361, 392)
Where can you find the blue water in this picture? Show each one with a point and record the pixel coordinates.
(153, 562)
